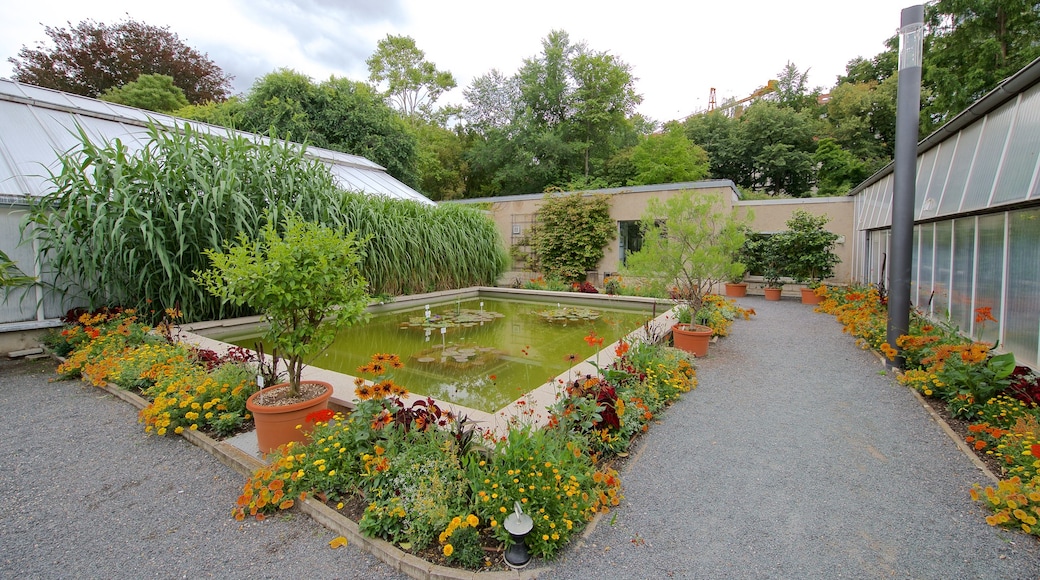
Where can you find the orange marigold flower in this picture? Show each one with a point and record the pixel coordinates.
(984, 313)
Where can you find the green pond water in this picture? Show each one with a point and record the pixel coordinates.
(486, 357)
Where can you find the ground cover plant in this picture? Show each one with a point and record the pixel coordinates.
(996, 398)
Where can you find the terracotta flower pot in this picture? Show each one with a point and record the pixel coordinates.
(276, 425)
(736, 290)
(772, 293)
(693, 338)
(809, 296)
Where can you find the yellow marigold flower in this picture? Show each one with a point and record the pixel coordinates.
(472, 520)
(448, 550)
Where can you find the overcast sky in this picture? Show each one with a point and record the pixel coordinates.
(677, 50)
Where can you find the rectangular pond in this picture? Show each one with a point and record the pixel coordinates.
(481, 351)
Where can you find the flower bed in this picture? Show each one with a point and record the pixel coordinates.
(437, 485)
(430, 482)
(997, 399)
(188, 388)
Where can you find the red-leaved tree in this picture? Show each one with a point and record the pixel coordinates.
(91, 57)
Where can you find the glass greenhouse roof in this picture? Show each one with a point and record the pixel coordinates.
(36, 124)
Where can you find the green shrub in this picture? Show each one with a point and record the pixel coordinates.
(570, 235)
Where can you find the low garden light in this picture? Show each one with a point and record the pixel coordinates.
(518, 524)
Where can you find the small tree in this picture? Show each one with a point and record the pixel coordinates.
(306, 281)
(808, 248)
(150, 92)
(689, 242)
(570, 235)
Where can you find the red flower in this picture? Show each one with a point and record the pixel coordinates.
(621, 349)
(594, 340)
(492, 377)
(320, 416)
(1035, 450)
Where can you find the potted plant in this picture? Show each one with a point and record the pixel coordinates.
(736, 287)
(689, 244)
(305, 279)
(809, 249)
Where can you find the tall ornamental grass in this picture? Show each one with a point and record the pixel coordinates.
(127, 227)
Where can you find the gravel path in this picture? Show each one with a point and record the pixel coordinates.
(798, 457)
(86, 494)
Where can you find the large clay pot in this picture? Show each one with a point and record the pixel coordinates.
(772, 293)
(693, 338)
(276, 425)
(809, 296)
(736, 289)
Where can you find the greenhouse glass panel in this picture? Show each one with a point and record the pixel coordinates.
(943, 259)
(925, 268)
(885, 217)
(991, 149)
(953, 193)
(925, 167)
(963, 272)
(940, 173)
(1022, 324)
(915, 267)
(989, 272)
(1023, 151)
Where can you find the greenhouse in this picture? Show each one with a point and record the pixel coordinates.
(977, 211)
(37, 125)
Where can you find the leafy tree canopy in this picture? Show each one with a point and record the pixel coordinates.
(92, 57)
(972, 46)
(668, 157)
(560, 119)
(150, 92)
(337, 114)
(413, 83)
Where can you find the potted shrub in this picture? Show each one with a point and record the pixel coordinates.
(809, 250)
(736, 287)
(306, 281)
(689, 244)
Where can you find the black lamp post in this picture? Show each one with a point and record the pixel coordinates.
(908, 115)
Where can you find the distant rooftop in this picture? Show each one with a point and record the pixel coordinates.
(36, 124)
(711, 183)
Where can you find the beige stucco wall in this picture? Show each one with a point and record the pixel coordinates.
(772, 215)
(625, 205)
(629, 205)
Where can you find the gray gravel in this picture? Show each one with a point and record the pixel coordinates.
(798, 457)
(84, 493)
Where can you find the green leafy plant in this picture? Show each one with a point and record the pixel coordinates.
(306, 280)
(12, 277)
(571, 232)
(808, 248)
(689, 244)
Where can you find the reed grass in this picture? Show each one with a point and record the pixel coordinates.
(129, 228)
